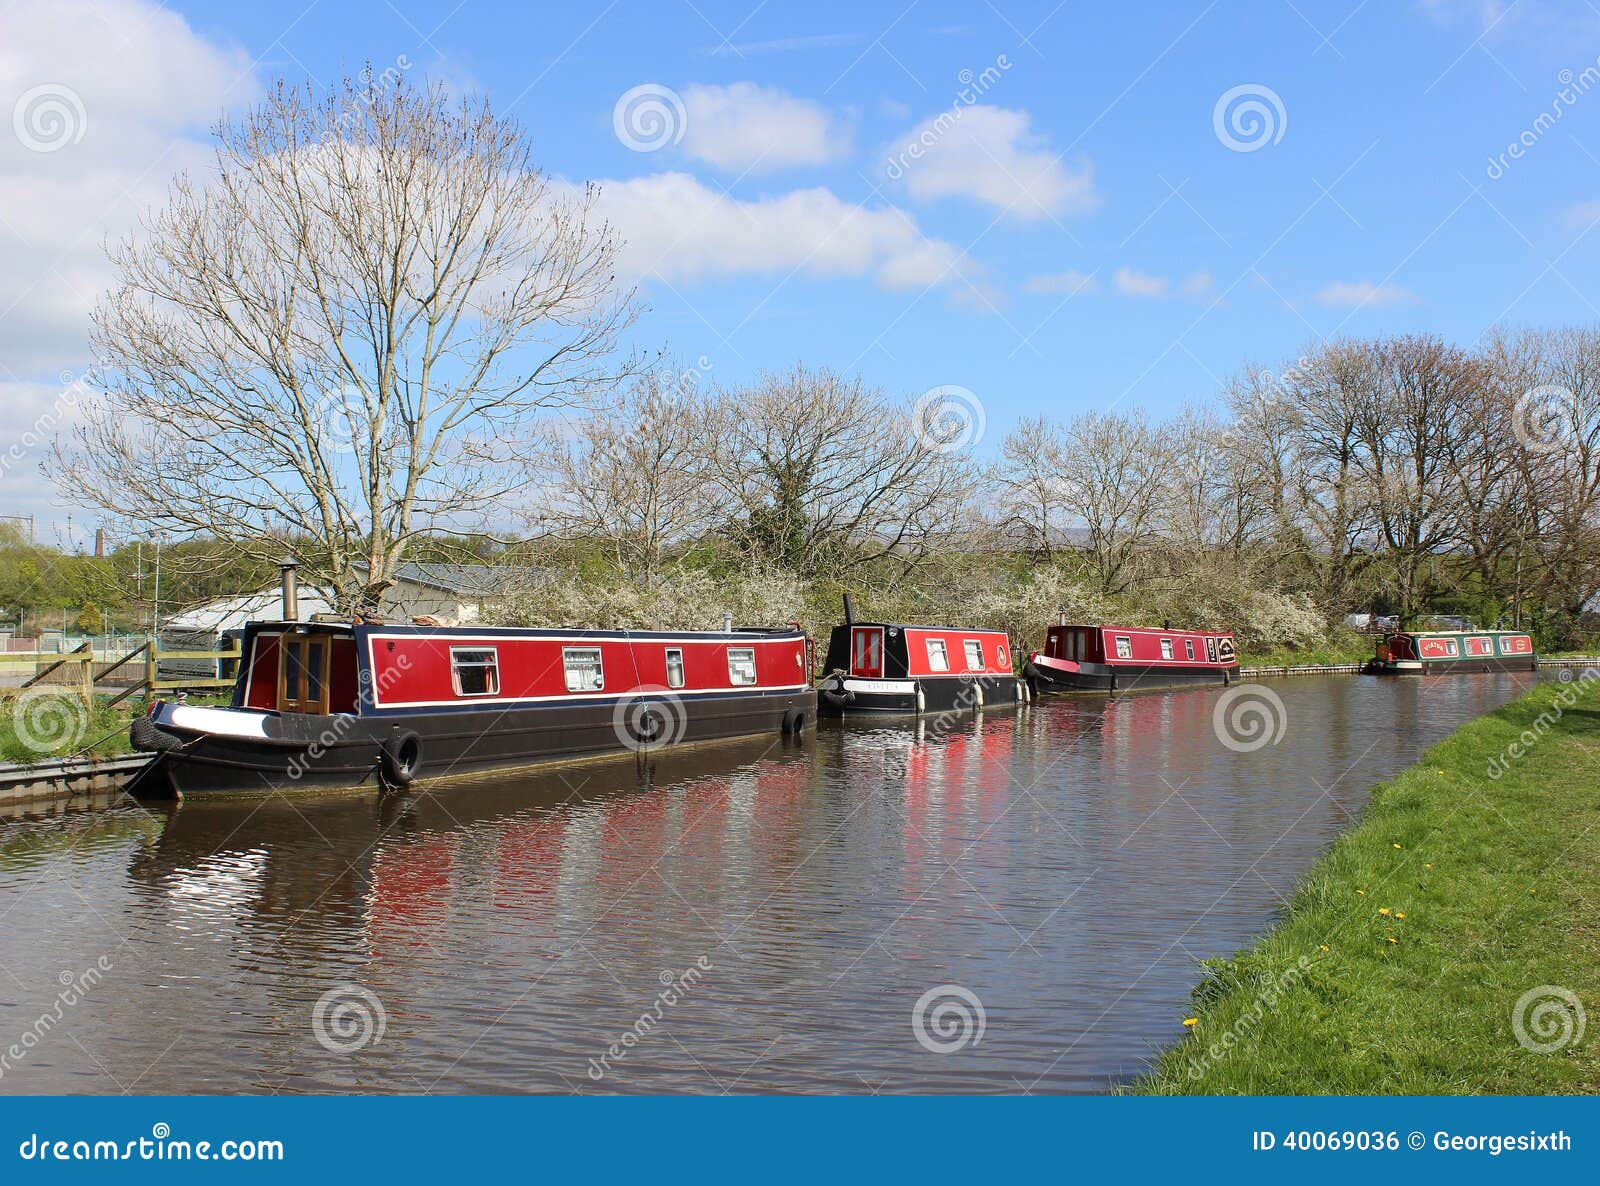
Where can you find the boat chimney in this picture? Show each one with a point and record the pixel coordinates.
(727, 623)
(1063, 616)
(849, 611)
(291, 589)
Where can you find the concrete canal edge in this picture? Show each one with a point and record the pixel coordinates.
(37, 783)
(1443, 945)
(1358, 668)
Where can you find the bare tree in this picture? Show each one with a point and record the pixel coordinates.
(634, 475)
(1032, 505)
(343, 336)
(1404, 426)
(821, 474)
(1114, 471)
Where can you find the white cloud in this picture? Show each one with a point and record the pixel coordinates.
(992, 155)
(1583, 214)
(745, 127)
(119, 93)
(1139, 284)
(1068, 283)
(1363, 293)
(1198, 286)
(683, 231)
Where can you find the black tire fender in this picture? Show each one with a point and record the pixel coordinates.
(794, 722)
(399, 758)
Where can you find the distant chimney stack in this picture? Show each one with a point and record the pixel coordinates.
(291, 589)
(99, 543)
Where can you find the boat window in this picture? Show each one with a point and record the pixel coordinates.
(1188, 647)
(1124, 647)
(741, 666)
(585, 672)
(938, 657)
(974, 654)
(475, 671)
(1166, 648)
(674, 667)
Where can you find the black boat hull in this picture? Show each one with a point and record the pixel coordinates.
(1102, 677)
(846, 696)
(296, 750)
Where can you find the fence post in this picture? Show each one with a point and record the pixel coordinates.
(86, 674)
(150, 669)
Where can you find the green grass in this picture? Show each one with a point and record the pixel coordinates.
(1338, 649)
(1498, 881)
(55, 724)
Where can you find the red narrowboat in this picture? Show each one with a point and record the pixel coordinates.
(891, 667)
(1083, 658)
(332, 704)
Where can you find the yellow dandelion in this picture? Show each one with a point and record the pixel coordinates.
(1397, 846)
(1191, 1021)
(1363, 893)
(1392, 939)
(1427, 864)
(1323, 947)
(1384, 910)
(1399, 913)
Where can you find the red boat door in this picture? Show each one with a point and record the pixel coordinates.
(866, 651)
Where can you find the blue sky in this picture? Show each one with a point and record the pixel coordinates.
(1079, 236)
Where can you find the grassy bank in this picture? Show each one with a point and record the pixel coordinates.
(1338, 648)
(1402, 959)
(54, 725)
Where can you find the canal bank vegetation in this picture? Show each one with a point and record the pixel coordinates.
(499, 413)
(1446, 945)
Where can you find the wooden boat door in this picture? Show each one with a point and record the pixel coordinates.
(303, 664)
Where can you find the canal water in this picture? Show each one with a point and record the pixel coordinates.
(1012, 904)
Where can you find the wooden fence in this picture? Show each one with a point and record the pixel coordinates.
(85, 677)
